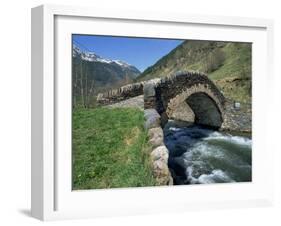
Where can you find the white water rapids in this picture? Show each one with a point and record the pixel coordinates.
(198, 155)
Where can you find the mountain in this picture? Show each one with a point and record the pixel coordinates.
(92, 57)
(228, 64)
(99, 73)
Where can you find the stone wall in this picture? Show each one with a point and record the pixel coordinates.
(123, 93)
(159, 154)
(237, 120)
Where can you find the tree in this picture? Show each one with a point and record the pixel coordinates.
(90, 93)
(74, 87)
(81, 84)
(86, 87)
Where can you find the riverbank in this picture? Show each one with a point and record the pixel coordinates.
(237, 120)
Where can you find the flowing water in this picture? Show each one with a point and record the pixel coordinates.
(199, 155)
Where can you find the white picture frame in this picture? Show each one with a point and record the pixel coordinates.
(52, 197)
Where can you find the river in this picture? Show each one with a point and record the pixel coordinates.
(199, 155)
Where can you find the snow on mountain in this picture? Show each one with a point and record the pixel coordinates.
(121, 63)
(93, 57)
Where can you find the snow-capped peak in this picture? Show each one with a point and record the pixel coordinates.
(121, 63)
(93, 57)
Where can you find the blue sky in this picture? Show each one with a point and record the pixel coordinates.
(140, 52)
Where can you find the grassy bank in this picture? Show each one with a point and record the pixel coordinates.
(110, 149)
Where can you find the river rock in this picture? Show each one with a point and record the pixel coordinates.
(160, 153)
(156, 136)
(236, 105)
(152, 119)
(161, 172)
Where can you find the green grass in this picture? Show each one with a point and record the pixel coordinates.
(110, 149)
(237, 66)
(237, 63)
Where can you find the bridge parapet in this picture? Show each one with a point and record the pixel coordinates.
(125, 92)
(116, 95)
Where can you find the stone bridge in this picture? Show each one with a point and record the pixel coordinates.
(186, 96)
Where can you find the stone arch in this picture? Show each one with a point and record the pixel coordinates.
(207, 112)
(194, 91)
(203, 106)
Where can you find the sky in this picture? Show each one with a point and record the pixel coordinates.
(140, 52)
